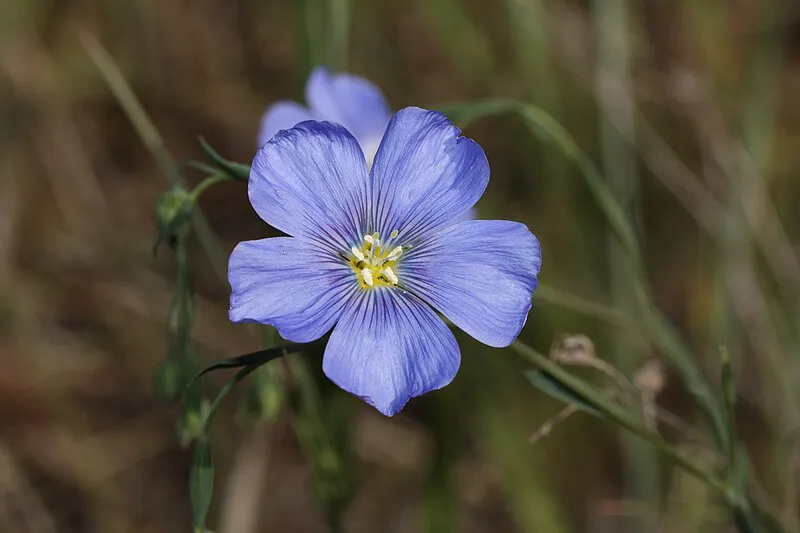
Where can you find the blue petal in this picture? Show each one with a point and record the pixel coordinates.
(351, 101)
(480, 274)
(281, 116)
(284, 282)
(390, 347)
(425, 175)
(311, 182)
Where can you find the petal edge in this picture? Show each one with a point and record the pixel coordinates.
(311, 181)
(389, 348)
(283, 282)
(425, 175)
(480, 274)
(281, 115)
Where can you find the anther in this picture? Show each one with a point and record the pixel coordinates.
(390, 275)
(395, 253)
(367, 275)
(358, 253)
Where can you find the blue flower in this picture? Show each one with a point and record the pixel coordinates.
(374, 254)
(349, 100)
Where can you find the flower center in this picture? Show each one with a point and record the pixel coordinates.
(373, 262)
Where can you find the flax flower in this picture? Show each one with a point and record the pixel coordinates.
(345, 99)
(378, 252)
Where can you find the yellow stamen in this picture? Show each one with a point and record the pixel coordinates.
(367, 275)
(390, 275)
(395, 253)
(358, 253)
(372, 264)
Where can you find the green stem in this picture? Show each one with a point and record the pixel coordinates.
(183, 297)
(149, 135)
(658, 329)
(130, 104)
(240, 375)
(205, 185)
(557, 297)
(620, 415)
(616, 128)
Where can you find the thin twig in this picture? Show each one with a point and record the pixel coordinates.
(548, 426)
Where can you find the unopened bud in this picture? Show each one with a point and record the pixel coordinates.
(172, 215)
(170, 205)
(169, 381)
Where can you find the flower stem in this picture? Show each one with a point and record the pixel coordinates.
(619, 415)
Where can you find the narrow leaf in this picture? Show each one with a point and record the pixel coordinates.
(546, 384)
(235, 170)
(251, 359)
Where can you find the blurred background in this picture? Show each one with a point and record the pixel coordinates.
(689, 110)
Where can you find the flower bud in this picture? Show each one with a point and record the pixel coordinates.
(169, 381)
(172, 213)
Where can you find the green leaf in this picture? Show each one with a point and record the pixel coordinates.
(236, 171)
(545, 383)
(254, 359)
(201, 482)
